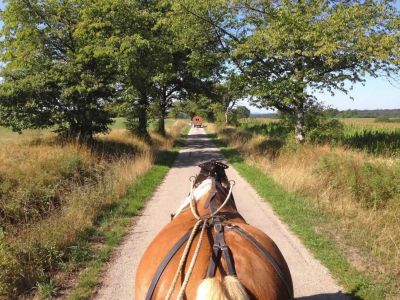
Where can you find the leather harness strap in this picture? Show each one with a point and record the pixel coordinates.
(264, 251)
(219, 247)
(164, 264)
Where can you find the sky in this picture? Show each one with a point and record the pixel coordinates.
(376, 93)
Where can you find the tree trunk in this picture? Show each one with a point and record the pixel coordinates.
(163, 114)
(229, 107)
(299, 126)
(84, 137)
(142, 118)
(161, 125)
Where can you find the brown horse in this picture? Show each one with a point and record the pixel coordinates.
(211, 252)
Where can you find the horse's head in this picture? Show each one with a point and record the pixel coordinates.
(210, 182)
(212, 169)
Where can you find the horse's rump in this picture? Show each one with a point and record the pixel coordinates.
(232, 254)
(254, 270)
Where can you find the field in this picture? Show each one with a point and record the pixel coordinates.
(368, 134)
(52, 194)
(380, 138)
(354, 180)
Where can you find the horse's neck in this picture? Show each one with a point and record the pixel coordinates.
(203, 194)
(219, 195)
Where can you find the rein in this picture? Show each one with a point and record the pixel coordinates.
(183, 259)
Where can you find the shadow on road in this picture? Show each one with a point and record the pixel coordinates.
(196, 149)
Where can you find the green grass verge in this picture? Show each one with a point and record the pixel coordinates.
(119, 123)
(113, 225)
(302, 219)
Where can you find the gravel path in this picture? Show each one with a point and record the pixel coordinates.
(311, 280)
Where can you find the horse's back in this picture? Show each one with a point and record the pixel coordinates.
(156, 253)
(253, 268)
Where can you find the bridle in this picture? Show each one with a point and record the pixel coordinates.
(212, 168)
(214, 210)
(217, 221)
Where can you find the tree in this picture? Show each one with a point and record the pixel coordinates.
(52, 76)
(175, 80)
(308, 46)
(197, 105)
(229, 93)
(141, 54)
(154, 66)
(213, 101)
(129, 30)
(288, 50)
(205, 64)
(242, 112)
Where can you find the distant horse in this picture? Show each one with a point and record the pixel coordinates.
(208, 251)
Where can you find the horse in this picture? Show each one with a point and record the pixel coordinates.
(208, 251)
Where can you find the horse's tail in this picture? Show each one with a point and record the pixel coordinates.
(228, 289)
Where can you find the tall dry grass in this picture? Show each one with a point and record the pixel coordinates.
(51, 192)
(360, 191)
(371, 123)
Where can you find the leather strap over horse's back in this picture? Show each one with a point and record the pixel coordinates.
(164, 263)
(264, 251)
(214, 262)
(219, 246)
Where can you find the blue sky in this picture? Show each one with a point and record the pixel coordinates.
(375, 94)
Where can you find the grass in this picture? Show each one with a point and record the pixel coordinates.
(371, 122)
(367, 134)
(53, 197)
(375, 136)
(378, 140)
(119, 123)
(114, 224)
(8, 136)
(336, 199)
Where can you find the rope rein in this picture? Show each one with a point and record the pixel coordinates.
(192, 263)
(232, 183)
(183, 259)
(204, 222)
(193, 200)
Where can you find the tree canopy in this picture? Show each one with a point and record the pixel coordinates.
(65, 62)
(52, 76)
(288, 50)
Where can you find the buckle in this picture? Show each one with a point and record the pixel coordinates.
(218, 227)
(224, 247)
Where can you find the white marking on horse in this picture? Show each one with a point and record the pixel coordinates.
(205, 187)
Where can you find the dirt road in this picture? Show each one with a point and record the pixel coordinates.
(311, 280)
